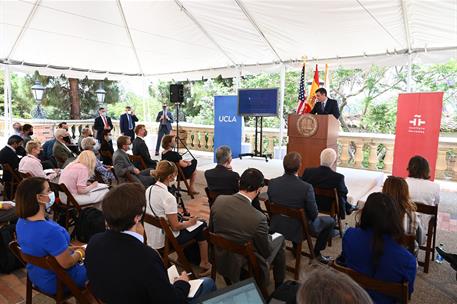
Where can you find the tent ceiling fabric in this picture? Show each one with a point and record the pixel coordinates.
(201, 38)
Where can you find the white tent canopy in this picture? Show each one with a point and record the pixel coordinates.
(193, 39)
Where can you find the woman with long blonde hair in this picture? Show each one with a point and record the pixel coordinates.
(76, 177)
(397, 189)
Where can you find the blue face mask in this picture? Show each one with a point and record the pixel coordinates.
(52, 199)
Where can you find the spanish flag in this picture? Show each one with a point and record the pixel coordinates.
(312, 92)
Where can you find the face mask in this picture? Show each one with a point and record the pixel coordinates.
(109, 138)
(129, 112)
(52, 199)
(145, 133)
(30, 133)
(96, 147)
(104, 114)
(67, 139)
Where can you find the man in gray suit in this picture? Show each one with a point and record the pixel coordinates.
(233, 217)
(122, 164)
(290, 191)
(165, 120)
(60, 151)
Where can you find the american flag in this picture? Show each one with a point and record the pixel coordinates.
(301, 93)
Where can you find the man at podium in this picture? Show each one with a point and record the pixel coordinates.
(325, 105)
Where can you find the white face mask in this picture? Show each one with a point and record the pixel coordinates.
(129, 112)
(96, 147)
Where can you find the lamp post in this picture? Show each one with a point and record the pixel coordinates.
(38, 92)
(100, 94)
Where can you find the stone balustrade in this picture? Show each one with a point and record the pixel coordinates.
(356, 150)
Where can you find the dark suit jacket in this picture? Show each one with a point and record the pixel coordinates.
(299, 194)
(331, 107)
(7, 155)
(124, 123)
(233, 217)
(121, 269)
(99, 126)
(140, 148)
(222, 180)
(325, 177)
(169, 122)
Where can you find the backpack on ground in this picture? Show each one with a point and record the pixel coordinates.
(91, 221)
(8, 261)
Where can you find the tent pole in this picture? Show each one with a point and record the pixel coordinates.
(281, 104)
(7, 103)
(409, 79)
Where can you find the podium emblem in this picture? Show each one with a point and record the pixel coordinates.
(307, 125)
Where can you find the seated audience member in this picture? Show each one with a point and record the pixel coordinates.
(123, 165)
(162, 203)
(17, 129)
(187, 167)
(90, 144)
(233, 217)
(8, 155)
(31, 164)
(27, 131)
(86, 132)
(7, 212)
(373, 248)
(40, 237)
(48, 146)
(328, 286)
(143, 279)
(325, 177)
(290, 191)
(140, 147)
(60, 151)
(421, 188)
(76, 177)
(222, 178)
(397, 189)
(105, 147)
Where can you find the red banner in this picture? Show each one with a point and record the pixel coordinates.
(418, 130)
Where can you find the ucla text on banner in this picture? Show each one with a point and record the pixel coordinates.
(227, 124)
(418, 130)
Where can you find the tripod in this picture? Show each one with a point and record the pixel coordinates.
(179, 140)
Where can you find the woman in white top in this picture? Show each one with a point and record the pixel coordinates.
(421, 189)
(162, 203)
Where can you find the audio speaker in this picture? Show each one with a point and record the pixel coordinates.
(176, 93)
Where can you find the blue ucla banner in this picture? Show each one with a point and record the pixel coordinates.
(227, 124)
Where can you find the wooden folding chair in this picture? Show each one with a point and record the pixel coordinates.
(430, 244)
(246, 250)
(182, 178)
(395, 290)
(14, 182)
(24, 175)
(71, 203)
(138, 162)
(334, 212)
(212, 195)
(171, 245)
(299, 215)
(63, 280)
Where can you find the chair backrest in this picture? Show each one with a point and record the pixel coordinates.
(16, 178)
(70, 198)
(51, 264)
(396, 290)
(298, 214)
(212, 195)
(24, 175)
(332, 195)
(246, 250)
(151, 220)
(138, 161)
(427, 209)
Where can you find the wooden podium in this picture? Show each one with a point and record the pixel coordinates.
(309, 134)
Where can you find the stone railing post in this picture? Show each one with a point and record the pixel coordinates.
(344, 159)
(358, 154)
(389, 158)
(373, 157)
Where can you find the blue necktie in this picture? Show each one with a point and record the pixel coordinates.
(130, 122)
